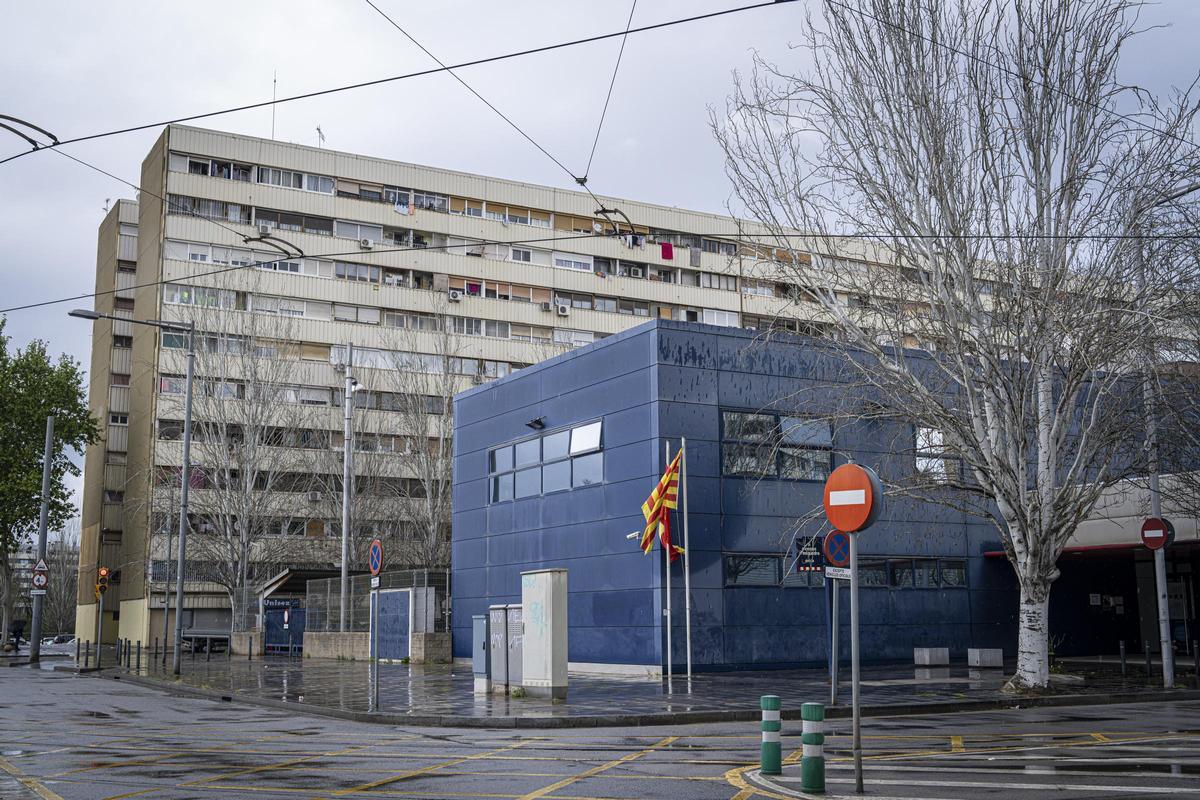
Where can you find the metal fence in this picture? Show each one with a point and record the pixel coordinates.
(323, 600)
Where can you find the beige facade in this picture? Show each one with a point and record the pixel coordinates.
(393, 257)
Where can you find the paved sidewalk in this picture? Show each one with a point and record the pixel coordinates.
(443, 694)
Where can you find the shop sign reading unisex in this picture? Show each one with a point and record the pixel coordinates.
(853, 496)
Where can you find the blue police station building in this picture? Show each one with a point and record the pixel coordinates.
(552, 465)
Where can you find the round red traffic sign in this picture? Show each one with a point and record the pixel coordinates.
(837, 549)
(1155, 533)
(375, 556)
(852, 497)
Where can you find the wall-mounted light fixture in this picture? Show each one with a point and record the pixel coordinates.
(537, 423)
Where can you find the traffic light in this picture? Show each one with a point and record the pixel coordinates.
(102, 580)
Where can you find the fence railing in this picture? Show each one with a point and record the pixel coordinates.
(431, 606)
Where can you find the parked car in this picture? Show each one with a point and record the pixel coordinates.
(65, 638)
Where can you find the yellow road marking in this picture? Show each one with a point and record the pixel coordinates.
(734, 777)
(588, 773)
(135, 794)
(423, 770)
(32, 784)
(956, 744)
(269, 767)
(1100, 737)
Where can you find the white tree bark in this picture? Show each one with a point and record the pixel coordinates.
(1033, 662)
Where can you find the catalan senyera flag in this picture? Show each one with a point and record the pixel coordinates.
(657, 508)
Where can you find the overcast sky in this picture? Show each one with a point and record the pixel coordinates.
(80, 67)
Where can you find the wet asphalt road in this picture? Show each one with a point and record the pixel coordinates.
(84, 738)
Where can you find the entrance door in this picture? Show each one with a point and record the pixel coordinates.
(284, 630)
(395, 623)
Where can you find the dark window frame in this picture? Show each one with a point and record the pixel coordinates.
(502, 482)
(777, 449)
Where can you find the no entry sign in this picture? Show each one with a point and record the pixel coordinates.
(1156, 533)
(853, 495)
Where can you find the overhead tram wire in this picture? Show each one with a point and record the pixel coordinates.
(393, 78)
(604, 112)
(483, 99)
(1011, 72)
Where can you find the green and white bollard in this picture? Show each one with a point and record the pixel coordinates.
(772, 757)
(812, 738)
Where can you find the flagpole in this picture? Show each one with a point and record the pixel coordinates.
(687, 554)
(667, 561)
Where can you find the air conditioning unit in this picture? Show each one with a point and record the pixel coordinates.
(314, 497)
(264, 229)
(455, 295)
(563, 310)
(635, 272)
(547, 306)
(365, 244)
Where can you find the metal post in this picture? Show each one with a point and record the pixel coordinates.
(1160, 556)
(77, 651)
(207, 649)
(347, 472)
(128, 647)
(1146, 649)
(667, 562)
(166, 595)
(687, 564)
(854, 672)
(1196, 657)
(375, 642)
(833, 646)
(99, 629)
(185, 481)
(250, 649)
(1122, 658)
(139, 656)
(35, 628)
(87, 653)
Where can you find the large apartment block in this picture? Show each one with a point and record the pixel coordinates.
(284, 255)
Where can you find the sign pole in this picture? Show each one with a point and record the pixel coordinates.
(854, 673)
(833, 647)
(687, 564)
(375, 641)
(35, 630)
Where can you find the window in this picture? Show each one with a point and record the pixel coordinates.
(123, 303)
(118, 419)
(953, 573)
(119, 379)
(744, 569)
(554, 462)
(930, 460)
(123, 341)
(770, 446)
(571, 261)
(355, 230)
(431, 202)
(925, 573)
(900, 574)
(715, 280)
(727, 319)
(520, 254)
(318, 183)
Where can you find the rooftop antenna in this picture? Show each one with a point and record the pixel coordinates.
(107, 200)
(274, 85)
(320, 136)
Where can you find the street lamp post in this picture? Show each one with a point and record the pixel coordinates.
(185, 476)
(347, 478)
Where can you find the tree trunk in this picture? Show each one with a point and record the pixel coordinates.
(1033, 663)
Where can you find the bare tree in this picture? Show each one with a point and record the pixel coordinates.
(255, 441)
(62, 556)
(1002, 310)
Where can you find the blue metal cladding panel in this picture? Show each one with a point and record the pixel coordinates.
(395, 623)
(660, 382)
(612, 598)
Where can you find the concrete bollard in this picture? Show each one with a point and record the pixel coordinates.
(771, 757)
(1122, 658)
(812, 738)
